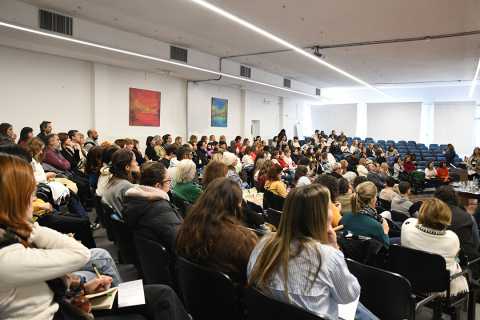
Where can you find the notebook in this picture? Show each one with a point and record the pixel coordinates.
(102, 301)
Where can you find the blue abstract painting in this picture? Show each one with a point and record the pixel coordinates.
(219, 112)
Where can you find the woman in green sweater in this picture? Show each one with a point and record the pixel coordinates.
(363, 219)
(184, 187)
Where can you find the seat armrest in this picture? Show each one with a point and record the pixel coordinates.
(426, 300)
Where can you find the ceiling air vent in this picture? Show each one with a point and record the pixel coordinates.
(245, 71)
(55, 22)
(287, 83)
(318, 92)
(177, 53)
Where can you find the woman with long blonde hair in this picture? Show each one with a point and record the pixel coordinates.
(301, 263)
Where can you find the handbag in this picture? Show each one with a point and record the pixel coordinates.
(253, 196)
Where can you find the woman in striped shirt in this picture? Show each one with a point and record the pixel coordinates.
(305, 246)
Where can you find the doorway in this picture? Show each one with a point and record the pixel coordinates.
(255, 129)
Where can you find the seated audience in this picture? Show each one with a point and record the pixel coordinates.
(93, 162)
(398, 169)
(92, 139)
(159, 149)
(373, 177)
(332, 185)
(170, 152)
(120, 143)
(370, 152)
(25, 134)
(123, 166)
(363, 219)
(150, 153)
(443, 174)
(167, 140)
(408, 165)
(259, 161)
(296, 144)
(71, 153)
(323, 164)
(361, 170)
(354, 147)
(301, 177)
(353, 162)
(391, 153)
(383, 172)
(231, 161)
(450, 154)
(262, 173)
(217, 169)
(182, 153)
(213, 234)
(103, 172)
(344, 147)
(429, 233)
(184, 187)
(431, 175)
(247, 158)
(201, 154)
(336, 171)
(273, 181)
(59, 164)
(335, 151)
(462, 224)
(31, 247)
(324, 280)
(345, 193)
(388, 193)
(178, 141)
(45, 130)
(147, 208)
(381, 158)
(401, 203)
(356, 181)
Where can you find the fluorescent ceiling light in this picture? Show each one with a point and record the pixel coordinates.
(287, 44)
(474, 82)
(92, 44)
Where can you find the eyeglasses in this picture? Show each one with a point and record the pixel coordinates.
(169, 180)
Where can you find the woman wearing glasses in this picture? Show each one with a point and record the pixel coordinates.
(147, 207)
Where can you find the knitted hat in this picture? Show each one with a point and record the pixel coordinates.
(229, 158)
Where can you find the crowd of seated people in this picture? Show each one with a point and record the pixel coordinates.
(332, 182)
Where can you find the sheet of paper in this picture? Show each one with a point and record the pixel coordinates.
(131, 294)
(104, 302)
(347, 311)
(471, 172)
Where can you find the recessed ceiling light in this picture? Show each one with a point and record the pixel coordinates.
(287, 44)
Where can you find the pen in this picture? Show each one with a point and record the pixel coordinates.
(98, 274)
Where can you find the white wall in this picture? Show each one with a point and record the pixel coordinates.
(342, 117)
(36, 87)
(266, 109)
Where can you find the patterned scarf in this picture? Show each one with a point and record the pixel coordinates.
(369, 211)
(69, 290)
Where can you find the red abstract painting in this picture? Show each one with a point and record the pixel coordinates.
(144, 108)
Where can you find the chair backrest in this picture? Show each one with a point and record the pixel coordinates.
(270, 199)
(255, 207)
(387, 205)
(107, 212)
(280, 201)
(180, 204)
(385, 294)
(427, 272)
(157, 264)
(125, 240)
(208, 293)
(97, 203)
(262, 307)
(188, 207)
(274, 217)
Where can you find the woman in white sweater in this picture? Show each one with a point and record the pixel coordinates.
(429, 233)
(34, 260)
(361, 169)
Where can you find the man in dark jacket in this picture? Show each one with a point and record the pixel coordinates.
(45, 130)
(202, 156)
(462, 225)
(352, 162)
(373, 177)
(335, 151)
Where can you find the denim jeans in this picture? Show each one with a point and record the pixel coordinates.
(337, 157)
(363, 313)
(74, 206)
(105, 266)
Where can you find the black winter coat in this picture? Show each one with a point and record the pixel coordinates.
(153, 219)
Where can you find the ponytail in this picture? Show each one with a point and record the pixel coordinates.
(354, 203)
(364, 192)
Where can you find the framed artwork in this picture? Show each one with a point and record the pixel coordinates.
(144, 108)
(219, 112)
